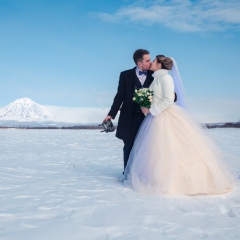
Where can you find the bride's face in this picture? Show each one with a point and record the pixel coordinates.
(155, 65)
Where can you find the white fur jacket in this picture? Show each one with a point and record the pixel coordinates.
(163, 92)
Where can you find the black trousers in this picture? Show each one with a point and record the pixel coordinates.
(128, 143)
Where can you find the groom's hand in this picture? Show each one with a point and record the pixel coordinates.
(107, 118)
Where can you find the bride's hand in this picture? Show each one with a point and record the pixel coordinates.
(145, 111)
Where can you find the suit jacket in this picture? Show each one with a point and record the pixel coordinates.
(123, 101)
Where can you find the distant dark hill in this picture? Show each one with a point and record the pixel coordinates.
(223, 125)
(76, 126)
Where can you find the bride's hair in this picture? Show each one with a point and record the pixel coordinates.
(166, 62)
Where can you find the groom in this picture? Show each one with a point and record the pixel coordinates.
(131, 115)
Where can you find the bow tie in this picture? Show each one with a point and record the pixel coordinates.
(143, 72)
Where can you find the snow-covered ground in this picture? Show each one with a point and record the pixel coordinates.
(62, 184)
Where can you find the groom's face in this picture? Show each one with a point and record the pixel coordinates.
(146, 63)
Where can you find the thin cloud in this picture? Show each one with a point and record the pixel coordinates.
(186, 16)
(210, 110)
(206, 110)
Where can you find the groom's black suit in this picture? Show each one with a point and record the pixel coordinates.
(131, 115)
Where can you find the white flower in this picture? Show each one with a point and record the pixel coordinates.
(134, 99)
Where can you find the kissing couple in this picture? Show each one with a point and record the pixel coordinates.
(165, 150)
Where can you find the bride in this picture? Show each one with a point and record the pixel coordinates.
(172, 154)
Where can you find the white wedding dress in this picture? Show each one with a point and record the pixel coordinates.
(172, 154)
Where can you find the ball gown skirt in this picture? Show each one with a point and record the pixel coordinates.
(172, 155)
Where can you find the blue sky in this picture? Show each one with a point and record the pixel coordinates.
(69, 53)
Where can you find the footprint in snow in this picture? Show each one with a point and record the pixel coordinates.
(227, 211)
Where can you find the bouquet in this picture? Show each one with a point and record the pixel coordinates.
(143, 97)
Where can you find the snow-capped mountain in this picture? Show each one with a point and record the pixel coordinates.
(26, 113)
(24, 109)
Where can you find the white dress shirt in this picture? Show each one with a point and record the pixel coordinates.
(142, 77)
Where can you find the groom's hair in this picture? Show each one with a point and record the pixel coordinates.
(138, 55)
